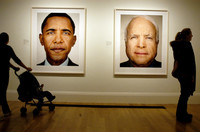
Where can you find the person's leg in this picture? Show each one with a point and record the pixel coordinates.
(182, 104)
(181, 112)
(3, 97)
(48, 95)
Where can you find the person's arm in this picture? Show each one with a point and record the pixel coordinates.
(18, 61)
(14, 67)
(175, 66)
(24, 66)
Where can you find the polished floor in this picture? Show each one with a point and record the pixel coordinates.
(103, 118)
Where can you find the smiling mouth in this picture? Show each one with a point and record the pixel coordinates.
(57, 50)
(140, 53)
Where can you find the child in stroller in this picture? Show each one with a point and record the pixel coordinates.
(29, 89)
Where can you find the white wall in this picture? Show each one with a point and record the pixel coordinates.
(99, 84)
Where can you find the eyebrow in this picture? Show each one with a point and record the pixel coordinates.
(51, 29)
(139, 35)
(67, 30)
(148, 35)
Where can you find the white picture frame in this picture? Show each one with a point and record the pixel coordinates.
(77, 53)
(122, 18)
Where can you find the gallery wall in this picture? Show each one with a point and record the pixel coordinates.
(99, 84)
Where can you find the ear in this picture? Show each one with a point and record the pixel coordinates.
(41, 39)
(157, 42)
(74, 40)
(126, 44)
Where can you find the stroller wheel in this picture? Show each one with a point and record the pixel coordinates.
(51, 107)
(36, 111)
(23, 110)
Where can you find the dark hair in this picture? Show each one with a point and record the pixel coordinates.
(185, 33)
(4, 38)
(59, 15)
(178, 36)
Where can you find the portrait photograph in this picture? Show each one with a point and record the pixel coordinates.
(140, 42)
(58, 40)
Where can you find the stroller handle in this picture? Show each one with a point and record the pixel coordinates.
(16, 73)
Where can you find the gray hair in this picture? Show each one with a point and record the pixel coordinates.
(147, 18)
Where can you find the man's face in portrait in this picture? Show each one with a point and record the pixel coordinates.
(141, 43)
(57, 39)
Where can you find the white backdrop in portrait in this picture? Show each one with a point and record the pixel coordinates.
(77, 53)
(122, 18)
(125, 19)
(73, 55)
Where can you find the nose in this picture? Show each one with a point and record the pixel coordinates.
(141, 43)
(58, 38)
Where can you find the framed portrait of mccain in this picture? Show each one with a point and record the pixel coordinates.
(58, 40)
(141, 39)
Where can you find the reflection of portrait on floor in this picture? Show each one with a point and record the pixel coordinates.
(141, 40)
(184, 70)
(58, 38)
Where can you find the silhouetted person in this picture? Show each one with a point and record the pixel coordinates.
(184, 71)
(6, 53)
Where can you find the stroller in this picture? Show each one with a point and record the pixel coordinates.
(30, 89)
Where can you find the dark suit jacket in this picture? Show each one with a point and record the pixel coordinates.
(184, 55)
(70, 63)
(155, 63)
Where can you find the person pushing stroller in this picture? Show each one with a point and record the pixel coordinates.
(7, 53)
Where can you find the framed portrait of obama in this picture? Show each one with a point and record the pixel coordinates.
(58, 40)
(140, 42)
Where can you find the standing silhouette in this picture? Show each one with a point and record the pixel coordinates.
(184, 70)
(6, 53)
